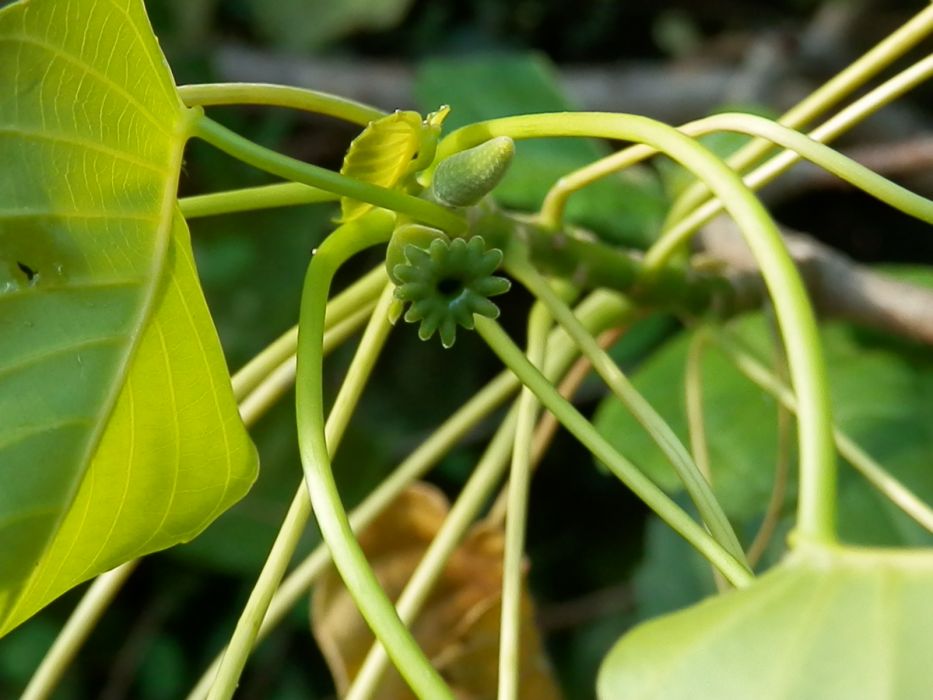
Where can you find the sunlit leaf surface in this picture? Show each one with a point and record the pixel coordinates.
(118, 431)
(826, 623)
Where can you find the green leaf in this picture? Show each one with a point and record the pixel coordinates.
(880, 395)
(627, 207)
(118, 431)
(381, 155)
(825, 623)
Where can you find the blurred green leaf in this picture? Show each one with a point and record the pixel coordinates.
(626, 208)
(309, 24)
(671, 576)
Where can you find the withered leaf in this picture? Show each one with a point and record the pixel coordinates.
(458, 627)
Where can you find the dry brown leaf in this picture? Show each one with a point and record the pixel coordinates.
(458, 627)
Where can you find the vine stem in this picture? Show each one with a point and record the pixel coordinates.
(628, 473)
(798, 145)
(92, 606)
(877, 186)
(266, 159)
(877, 476)
(372, 229)
(663, 435)
(817, 501)
(314, 101)
(856, 74)
(539, 322)
(363, 292)
(599, 311)
(283, 194)
(696, 428)
(472, 498)
(244, 635)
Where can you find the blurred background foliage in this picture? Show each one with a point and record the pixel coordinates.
(599, 562)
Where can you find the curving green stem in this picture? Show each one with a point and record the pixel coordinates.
(214, 94)
(598, 312)
(856, 74)
(845, 168)
(351, 238)
(247, 627)
(282, 194)
(363, 291)
(628, 473)
(93, 604)
(293, 169)
(663, 435)
(817, 502)
(808, 146)
(539, 322)
(472, 498)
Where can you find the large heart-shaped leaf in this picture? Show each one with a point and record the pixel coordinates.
(118, 430)
(826, 623)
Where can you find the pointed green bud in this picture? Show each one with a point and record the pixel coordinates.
(466, 177)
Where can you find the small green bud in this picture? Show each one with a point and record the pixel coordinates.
(466, 177)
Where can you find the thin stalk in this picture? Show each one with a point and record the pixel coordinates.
(816, 505)
(845, 168)
(363, 292)
(799, 145)
(877, 476)
(314, 101)
(282, 194)
(772, 515)
(599, 311)
(282, 378)
(696, 427)
(627, 472)
(539, 322)
(548, 425)
(696, 485)
(351, 238)
(75, 632)
(685, 223)
(244, 635)
(693, 401)
(292, 169)
(856, 74)
(474, 495)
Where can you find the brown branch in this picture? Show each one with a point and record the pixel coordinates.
(839, 287)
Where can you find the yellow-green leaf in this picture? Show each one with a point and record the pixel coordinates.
(118, 430)
(381, 155)
(827, 623)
